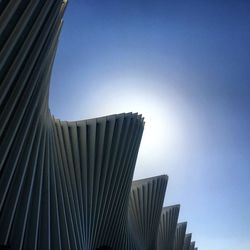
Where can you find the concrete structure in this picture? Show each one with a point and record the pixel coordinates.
(187, 241)
(180, 235)
(167, 227)
(192, 245)
(64, 185)
(145, 205)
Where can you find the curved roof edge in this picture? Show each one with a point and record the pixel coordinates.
(140, 182)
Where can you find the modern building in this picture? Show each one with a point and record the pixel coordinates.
(145, 205)
(66, 185)
(180, 236)
(192, 245)
(187, 241)
(167, 227)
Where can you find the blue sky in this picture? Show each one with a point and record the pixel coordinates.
(185, 66)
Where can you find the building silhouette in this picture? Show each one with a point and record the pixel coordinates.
(187, 241)
(67, 185)
(192, 245)
(180, 236)
(167, 227)
(145, 206)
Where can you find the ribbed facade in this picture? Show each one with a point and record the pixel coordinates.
(167, 227)
(187, 241)
(180, 236)
(145, 205)
(29, 217)
(192, 245)
(63, 185)
(68, 185)
(98, 157)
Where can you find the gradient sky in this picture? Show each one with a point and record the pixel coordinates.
(185, 65)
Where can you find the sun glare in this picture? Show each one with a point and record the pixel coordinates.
(162, 133)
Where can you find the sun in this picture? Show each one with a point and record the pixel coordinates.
(163, 132)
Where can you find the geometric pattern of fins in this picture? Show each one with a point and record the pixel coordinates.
(67, 185)
(187, 241)
(180, 235)
(97, 158)
(145, 206)
(29, 33)
(167, 227)
(192, 245)
(63, 185)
